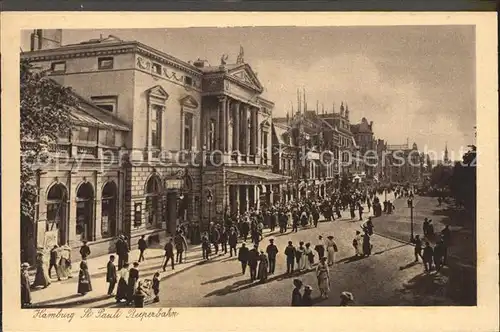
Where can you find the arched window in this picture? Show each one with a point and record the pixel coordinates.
(56, 211)
(85, 212)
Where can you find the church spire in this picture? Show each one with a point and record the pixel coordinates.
(445, 159)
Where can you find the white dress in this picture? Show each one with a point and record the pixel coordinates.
(303, 258)
(307, 252)
(330, 251)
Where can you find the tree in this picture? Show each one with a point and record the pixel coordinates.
(463, 182)
(44, 115)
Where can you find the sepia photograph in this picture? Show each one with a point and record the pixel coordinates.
(250, 166)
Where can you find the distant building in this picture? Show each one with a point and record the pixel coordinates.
(403, 164)
(363, 135)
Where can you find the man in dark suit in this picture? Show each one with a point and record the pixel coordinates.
(122, 251)
(233, 241)
(290, 257)
(243, 257)
(111, 275)
(84, 251)
(272, 251)
(142, 245)
(169, 254)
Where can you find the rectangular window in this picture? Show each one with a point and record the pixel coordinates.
(107, 137)
(85, 134)
(265, 146)
(188, 131)
(157, 68)
(58, 67)
(105, 63)
(156, 117)
(107, 103)
(188, 80)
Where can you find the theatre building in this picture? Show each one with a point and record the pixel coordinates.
(154, 137)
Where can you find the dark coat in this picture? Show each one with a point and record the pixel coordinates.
(428, 254)
(272, 251)
(84, 282)
(169, 249)
(243, 254)
(296, 298)
(233, 239)
(111, 272)
(85, 251)
(133, 276)
(253, 257)
(290, 253)
(25, 289)
(142, 244)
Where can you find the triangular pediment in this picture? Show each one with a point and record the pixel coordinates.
(189, 101)
(158, 92)
(246, 76)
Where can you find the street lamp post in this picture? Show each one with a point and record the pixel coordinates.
(209, 200)
(410, 201)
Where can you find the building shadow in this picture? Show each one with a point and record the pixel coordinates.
(70, 304)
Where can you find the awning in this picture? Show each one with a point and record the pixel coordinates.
(90, 116)
(254, 177)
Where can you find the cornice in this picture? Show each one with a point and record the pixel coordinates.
(63, 54)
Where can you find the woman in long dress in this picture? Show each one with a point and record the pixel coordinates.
(42, 274)
(262, 271)
(65, 262)
(367, 247)
(309, 256)
(122, 290)
(84, 282)
(331, 248)
(301, 257)
(25, 286)
(323, 275)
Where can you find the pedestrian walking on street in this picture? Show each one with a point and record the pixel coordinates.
(368, 226)
(301, 257)
(156, 287)
(233, 241)
(253, 261)
(25, 286)
(169, 255)
(84, 251)
(427, 256)
(290, 257)
(425, 227)
(262, 272)
(356, 243)
(243, 256)
(180, 246)
(295, 223)
(122, 251)
(142, 245)
(55, 258)
(331, 249)
(308, 257)
(84, 282)
(65, 262)
(214, 239)
(111, 277)
(438, 255)
(42, 276)
(122, 289)
(367, 246)
(272, 252)
(369, 204)
(205, 247)
(133, 278)
(360, 210)
(418, 247)
(346, 298)
(320, 248)
(223, 240)
(296, 295)
(307, 298)
(323, 277)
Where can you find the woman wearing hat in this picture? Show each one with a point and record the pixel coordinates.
(25, 286)
(296, 295)
(307, 298)
(84, 282)
(133, 277)
(42, 275)
(346, 298)
(323, 276)
(331, 249)
(262, 271)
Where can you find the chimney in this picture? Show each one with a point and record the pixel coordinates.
(42, 39)
(199, 63)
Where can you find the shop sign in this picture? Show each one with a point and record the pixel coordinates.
(174, 184)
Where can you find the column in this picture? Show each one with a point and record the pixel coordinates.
(253, 125)
(255, 130)
(226, 124)
(236, 127)
(201, 126)
(98, 206)
(244, 130)
(257, 197)
(247, 203)
(222, 123)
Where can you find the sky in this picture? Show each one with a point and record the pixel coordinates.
(413, 82)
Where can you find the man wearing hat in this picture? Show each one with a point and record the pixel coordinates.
(243, 257)
(346, 298)
(272, 251)
(25, 286)
(84, 251)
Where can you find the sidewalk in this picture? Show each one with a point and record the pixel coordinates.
(62, 294)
